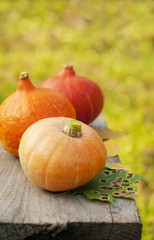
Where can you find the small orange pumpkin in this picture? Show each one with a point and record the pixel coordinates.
(59, 154)
(26, 106)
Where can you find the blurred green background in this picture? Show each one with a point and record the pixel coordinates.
(110, 42)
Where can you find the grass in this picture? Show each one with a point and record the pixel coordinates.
(110, 42)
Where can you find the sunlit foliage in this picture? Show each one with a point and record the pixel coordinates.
(110, 42)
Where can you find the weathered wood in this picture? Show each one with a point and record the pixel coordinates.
(28, 212)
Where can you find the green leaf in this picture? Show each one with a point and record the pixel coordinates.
(109, 184)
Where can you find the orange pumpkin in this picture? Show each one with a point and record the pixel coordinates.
(86, 96)
(59, 154)
(26, 106)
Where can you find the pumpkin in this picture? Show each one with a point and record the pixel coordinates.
(85, 95)
(59, 154)
(26, 106)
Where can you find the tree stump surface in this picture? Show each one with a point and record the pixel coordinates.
(28, 212)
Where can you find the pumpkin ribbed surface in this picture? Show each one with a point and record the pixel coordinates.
(55, 161)
(86, 96)
(26, 106)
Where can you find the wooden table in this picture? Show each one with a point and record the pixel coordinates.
(28, 212)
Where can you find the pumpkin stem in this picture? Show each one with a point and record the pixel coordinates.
(23, 75)
(68, 66)
(67, 71)
(73, 128)
(24, 82)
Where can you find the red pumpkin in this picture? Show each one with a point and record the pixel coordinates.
(85, 95)
(26, 106)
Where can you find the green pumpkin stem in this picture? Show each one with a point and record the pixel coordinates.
(73, 128)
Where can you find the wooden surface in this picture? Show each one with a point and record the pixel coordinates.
(28, 212)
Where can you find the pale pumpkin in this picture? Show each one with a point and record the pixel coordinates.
(26, 106)
(59, 154)
(85, 95)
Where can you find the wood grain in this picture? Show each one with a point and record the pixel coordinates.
(28, 212)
